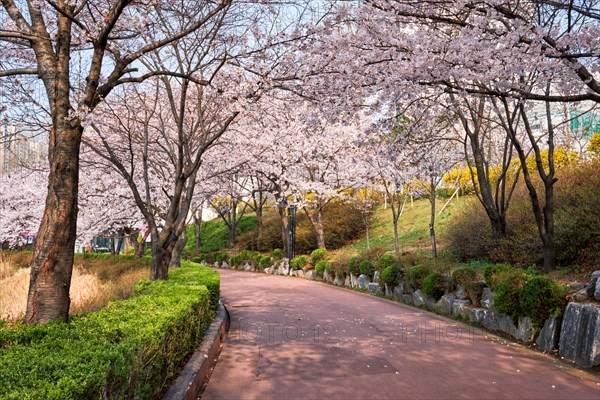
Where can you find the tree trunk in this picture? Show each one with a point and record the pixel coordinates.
(432, 222)
(178, 251)
(319, 228)
(233, 224)
(198, 231)
(396, 242)
(161, 258)
(52, 261)
(284, 226)
(259, 225)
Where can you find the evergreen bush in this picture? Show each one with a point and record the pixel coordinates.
(540, 298)
(434, 285)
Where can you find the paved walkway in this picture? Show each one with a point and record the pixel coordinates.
(293, 339)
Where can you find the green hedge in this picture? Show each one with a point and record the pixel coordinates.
(127, 350)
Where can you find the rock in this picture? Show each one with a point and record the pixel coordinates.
(494, 321)
(247, 267)
(419, 298)
(460, 293)
(310, 275)
(576, 287)
(374, 288)
(445, 303)
(225, 265)
(459, 306)
(580, 296)
(487, 298)
(348, 281)
(548, 338)
(300, 273)
(475, 314)
(268, 271)
(399, 291)
(580, 334)
(353, 281)
(327, 277)
(525, 330)
(407, 298)
(203, 262)
(338, 281)
(476, 292)
(363, 281)
(216, 264)
(388, 291)
(594, 286)
(376, 277)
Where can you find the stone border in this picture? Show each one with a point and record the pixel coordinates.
(195, 373)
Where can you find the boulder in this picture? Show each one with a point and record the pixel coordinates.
(399, 291)
(419, 299)
(348, 281)
(203, 262)
(327, 277)
(459, 306)
(353, 281)
(225, 265)
(487, 298)
(494, 321)
(548, 338)
(580, 296)
(338, 280)
(475, 314)
(388, 291)
(580, 334)
(216, 264)
(595, 286)
(460, 293)
(407, 298)
(247, 267)
(363, 281)
(525, 330)
(445, 303)
(376, 277)
(300, 273)
(310, 275)
(374, 288)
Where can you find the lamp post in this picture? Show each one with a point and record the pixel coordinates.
(291, 234)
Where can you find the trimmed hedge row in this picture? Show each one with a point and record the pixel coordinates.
(128, 350)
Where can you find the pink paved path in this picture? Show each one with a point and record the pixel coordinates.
(293, 339)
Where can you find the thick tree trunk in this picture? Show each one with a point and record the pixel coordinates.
(320, 228)
(259, 226)
(396, 241)
(178, 251)
(233, 225)
(161, 258)
(52, 261)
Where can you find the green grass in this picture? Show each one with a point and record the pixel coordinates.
(413, 228)
(215, 234)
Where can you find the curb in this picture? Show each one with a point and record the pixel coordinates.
(190, 381)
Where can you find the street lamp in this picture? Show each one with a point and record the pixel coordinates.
(291, 234)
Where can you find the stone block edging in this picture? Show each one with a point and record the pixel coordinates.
(195, 373)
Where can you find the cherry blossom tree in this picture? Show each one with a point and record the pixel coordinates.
(45, 39)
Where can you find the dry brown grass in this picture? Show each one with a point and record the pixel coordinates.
(93, 285)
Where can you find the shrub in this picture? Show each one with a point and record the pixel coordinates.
(366, 268)
(416, 275)
(464, 276)
(491, 272)
(353, 266)
(508, 291)
(265, 261)
(299, 262)
(317, 255)
(392, 275)
(127, 350)
(434, 285)
(220, 257)
(321, 267)
(541, 297)
(277, 254)
(386, 260)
